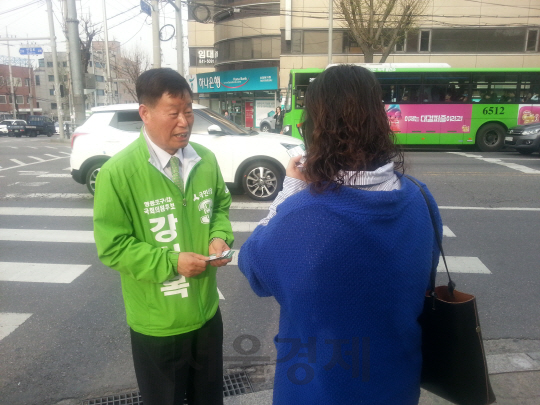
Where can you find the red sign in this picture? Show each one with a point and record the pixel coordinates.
(249, 114)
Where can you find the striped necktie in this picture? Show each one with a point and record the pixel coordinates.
(175, 170)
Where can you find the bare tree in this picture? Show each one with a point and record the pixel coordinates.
(88, 32)
(129, 67)
(377, 25)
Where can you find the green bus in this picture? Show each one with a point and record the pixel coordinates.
(433, 105)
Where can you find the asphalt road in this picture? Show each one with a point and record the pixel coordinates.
(66, 337)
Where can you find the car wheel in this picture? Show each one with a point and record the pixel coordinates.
(91, 176)
(525, 152)
(262, 181)
(265, 128)
(490, 138)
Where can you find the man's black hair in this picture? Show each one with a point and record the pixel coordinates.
(154, 83)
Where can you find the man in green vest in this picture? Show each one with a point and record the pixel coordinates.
(161, 209)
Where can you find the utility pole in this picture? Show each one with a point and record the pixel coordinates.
(11, 79)
(155, 35)
(107, 58)
(55, 67)
(30, 87)
(330, 29)
(75, 59)
(179, 38)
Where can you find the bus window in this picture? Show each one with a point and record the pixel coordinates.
(446, 88)
(490, 88)
(400, 87)
(302, 81)
(529, 89)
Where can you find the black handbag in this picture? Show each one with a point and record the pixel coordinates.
(453, 358)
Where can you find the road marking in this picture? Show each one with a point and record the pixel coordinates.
(18, 162)
(250, 206)
(10, 321)
(55, 175)
(515, 166)
(65, 153)
(34, 184)
(221, 297)
(66, 196)
(462, 264)
(447, 232)
(51, 147)
(41, 272)
(47, 212)
(512, 362)
(46, 235)
(53, 156)
(67, 168)
(31, 147)
(33, 163)
(489, 208)
(38, 159)
(13, 147)
(243, 226)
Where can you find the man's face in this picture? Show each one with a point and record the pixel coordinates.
(168, 123)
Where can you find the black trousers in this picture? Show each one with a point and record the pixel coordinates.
(171, 367)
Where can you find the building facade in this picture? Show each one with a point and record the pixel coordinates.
(23, 89)
(239, 35)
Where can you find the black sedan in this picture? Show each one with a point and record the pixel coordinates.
(524, 138)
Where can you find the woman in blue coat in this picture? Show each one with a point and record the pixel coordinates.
(346, 250)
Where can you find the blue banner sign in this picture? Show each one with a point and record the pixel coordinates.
(236, 80)
(31, 51)
(146, 8)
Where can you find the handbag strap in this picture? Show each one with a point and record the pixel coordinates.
(451, 284)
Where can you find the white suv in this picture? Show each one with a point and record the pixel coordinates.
(249, 160)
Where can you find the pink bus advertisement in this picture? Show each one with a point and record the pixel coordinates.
(439, 118)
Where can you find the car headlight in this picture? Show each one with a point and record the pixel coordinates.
(288, 145)
(287, 130)
(532, 131)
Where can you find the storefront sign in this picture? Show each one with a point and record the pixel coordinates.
(249, 114)
(238, 80)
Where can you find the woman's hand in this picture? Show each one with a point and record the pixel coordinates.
(293, 170)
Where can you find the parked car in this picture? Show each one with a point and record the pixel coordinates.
(3, 127)
(524, 138)
(15, 128)
(268, 124)
(38, 124)
(249, 160)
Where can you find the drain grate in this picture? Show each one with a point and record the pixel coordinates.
(236, 384)
(233, 384)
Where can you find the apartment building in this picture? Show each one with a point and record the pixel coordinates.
(25, 97)
(228, 39)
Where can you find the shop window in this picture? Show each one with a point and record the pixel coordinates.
(446, 88)
(490, 88)
(532, 41)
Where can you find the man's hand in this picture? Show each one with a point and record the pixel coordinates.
(191, 264)
(217, 247)
(293, 170)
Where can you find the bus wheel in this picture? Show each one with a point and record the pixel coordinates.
(490, 138)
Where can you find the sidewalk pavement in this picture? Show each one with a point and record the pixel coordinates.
(515, 378)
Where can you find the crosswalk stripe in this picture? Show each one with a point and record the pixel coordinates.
(55, 175)
(10, 321)
(64, 196)
(41, 272)
(221, 297)
(243, 226)
(46, 235)
(53, 156)
(515, 166)
(250, 206)
(36, 158)
(447, 232)
(47, 212)
(17, 161)
(65, 153)
(50, 147)
(462, 264)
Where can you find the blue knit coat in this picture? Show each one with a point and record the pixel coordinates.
(349, 269)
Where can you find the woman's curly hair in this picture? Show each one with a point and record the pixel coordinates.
(346, 127)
